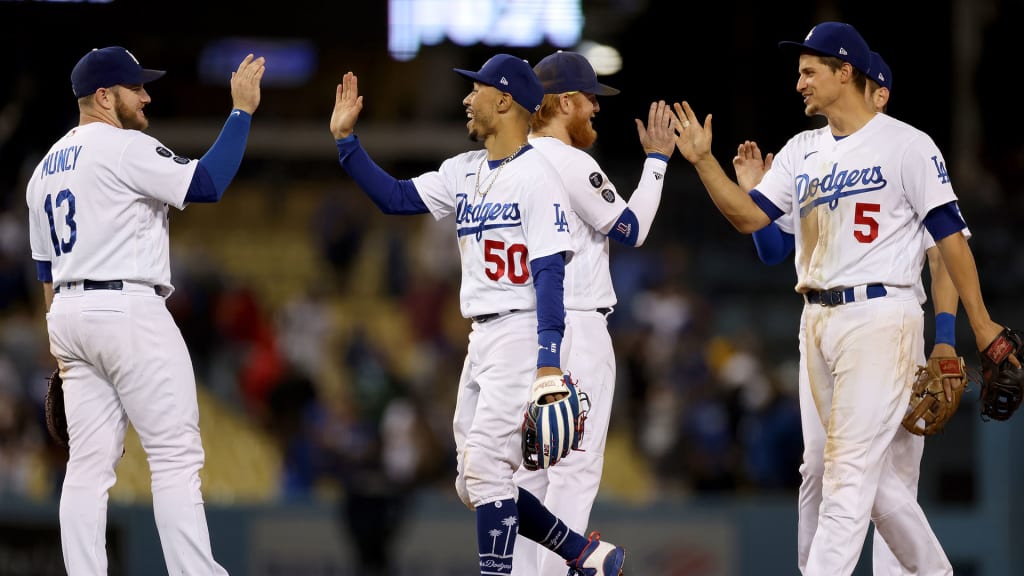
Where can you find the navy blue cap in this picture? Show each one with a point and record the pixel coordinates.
(570, 72)
(880, 71)
(836, 39)
(512, 75)
(106, 67)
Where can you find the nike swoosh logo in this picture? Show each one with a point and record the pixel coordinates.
(808, 155)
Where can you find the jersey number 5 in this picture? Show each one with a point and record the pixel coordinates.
(861, 218)
(60, 245)
(511, 261)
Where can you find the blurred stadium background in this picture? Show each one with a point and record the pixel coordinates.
(327, 339)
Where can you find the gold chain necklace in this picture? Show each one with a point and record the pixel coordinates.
(493, 176)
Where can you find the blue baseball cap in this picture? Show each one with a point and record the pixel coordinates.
(880, 71)
(836, 39)
(570, 72)
(106, 67)
(512, 75)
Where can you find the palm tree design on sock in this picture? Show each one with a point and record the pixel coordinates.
(509, 522)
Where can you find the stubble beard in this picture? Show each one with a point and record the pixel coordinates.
(129, 117)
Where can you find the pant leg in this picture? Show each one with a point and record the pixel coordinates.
(871, 348)
(569, 488)
(138, 347)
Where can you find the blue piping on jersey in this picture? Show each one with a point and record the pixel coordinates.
(944, 220)
(626, 229)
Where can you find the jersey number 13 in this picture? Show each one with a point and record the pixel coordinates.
(62, 245)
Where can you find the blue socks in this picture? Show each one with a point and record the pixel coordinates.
(541, 526)
(497, 525)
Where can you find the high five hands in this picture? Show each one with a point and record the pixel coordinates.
(692, 139)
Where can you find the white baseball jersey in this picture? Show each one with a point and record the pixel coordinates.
(505, 216)
(588, 281)
(858, 208)
(98, 205)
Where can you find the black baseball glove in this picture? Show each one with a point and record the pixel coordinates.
(1002, 383)
(56, 418)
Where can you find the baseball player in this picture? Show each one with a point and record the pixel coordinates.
(513, 224)
(914, 540)
(561, 130)
(863, 192)
(98, 222)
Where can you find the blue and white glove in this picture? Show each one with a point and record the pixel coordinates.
(554, 421)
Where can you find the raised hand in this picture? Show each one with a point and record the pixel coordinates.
(659, 135)
(245, 83)
(693, 140)
(347, 105)
(749, 165)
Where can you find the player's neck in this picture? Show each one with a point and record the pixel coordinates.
(503, 144)
(846, 120)
(553, 130)
(91, 116)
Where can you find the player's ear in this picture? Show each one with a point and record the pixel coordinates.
(505, 102)
(103, 98)
(565, 102)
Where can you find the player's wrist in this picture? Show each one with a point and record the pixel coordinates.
(945, 329)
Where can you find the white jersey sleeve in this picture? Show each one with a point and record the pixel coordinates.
(858, 202)
(505, 216)
(588, 281)
(98, 204)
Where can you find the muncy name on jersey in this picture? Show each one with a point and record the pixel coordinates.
(61, 160)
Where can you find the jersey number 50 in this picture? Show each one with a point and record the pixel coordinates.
(511, 261)
(60, 245)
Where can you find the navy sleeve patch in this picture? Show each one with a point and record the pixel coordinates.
(163, 152)
(596, 179)
(181, 160)
(608, 195)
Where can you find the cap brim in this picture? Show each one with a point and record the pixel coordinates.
(791, 45)
(605, 90)
(468, 74)
(150, 75)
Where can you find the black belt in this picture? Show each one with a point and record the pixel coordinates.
(111, 285)
(842, 295)
(487, 317)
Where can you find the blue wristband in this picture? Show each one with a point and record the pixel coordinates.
(945, 329)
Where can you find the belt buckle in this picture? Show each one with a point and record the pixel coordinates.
(831, 298)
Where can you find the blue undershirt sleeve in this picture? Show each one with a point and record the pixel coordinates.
(944, 220)
(548, 278)
(219, 165)
(44, 271)
(773, 245)
(765, 204)
(391, 195)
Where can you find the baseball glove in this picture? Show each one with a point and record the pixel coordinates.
(56, 418)
(1002, 383)
(551, 428)
(929, 409)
